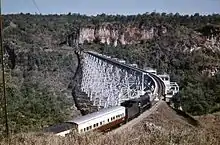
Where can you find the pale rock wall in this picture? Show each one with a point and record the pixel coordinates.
(114, 35)
(87, 34)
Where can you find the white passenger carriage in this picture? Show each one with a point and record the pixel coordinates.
(102, 120)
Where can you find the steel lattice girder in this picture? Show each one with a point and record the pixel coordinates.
(108, 84)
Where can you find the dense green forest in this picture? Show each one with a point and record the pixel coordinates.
(34, 55)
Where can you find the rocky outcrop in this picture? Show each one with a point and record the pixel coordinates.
(115, 34)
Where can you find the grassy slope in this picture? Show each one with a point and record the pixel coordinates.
(166, 128)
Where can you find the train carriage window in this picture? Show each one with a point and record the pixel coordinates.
(93, 125)
(90, 127)
(108, 120)
(81, 130)
(87, 128)
(97, 124)
(84, 129)
(100, 123)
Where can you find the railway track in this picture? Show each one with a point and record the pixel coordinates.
(161, 87)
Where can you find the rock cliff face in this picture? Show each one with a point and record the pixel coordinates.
(115, 34)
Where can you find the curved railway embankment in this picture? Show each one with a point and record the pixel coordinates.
(161, 117)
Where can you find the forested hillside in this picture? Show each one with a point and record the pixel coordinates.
(39, 71)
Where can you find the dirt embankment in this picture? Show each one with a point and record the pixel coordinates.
(211, 123)
(162, 125)
(167, 118)
(161, 117)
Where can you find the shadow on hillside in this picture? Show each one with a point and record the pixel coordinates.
(187, 117)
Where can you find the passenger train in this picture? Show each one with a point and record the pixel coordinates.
(105, 119)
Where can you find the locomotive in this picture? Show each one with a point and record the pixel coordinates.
(104, 119)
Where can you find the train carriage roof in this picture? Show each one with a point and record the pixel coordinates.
(98, 114)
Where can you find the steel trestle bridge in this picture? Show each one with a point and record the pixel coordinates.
(108, 82)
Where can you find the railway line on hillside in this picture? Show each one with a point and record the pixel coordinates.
(148, 90)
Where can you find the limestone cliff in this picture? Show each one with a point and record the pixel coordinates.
(115, 34)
